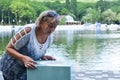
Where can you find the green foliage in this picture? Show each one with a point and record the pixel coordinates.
(62, 21)
(38, 7)
(26, 10)
(116, 8)
(57, 6)
(22, 11)
(64, 11)
(103, 5)
(71, 5)
(5, 11)
(109, 16)
(118, 17)
(82, 7)
(92, 15)
(4, 4)
(3, 42)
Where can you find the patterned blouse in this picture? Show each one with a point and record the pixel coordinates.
(14, 69)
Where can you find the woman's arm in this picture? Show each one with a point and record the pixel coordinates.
(10, 49)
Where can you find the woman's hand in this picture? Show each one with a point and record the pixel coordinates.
(46, 57)
(29, 62)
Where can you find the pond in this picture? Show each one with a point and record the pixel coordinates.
(90, 50)
(83, 49)
(4, 39)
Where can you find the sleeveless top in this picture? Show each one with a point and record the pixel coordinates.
(28, 45)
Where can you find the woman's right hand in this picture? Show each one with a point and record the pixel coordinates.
(29, 62)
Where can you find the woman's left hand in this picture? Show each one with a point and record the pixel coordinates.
(46, 57)
(29, 62)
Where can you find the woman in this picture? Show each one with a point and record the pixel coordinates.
(27, 46)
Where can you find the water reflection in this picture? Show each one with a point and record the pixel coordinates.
(83, 48)
(4, 38)
(91, 50)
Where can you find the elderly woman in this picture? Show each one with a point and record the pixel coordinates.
(27, 46)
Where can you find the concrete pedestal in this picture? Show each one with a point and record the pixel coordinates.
(50, 70)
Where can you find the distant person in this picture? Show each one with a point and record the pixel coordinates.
(27, 46)
(98, 24)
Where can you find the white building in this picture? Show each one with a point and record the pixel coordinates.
(70, 20)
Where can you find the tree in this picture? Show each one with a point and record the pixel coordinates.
(103, 5)
(92, 15)
(22, 11)
(64, 11)
(74, 7)
(82, 7)
(115, 8)
(57, 6)
(5, 10)
(68, 4)
(118, 17)
(38, 7)
(108, 16)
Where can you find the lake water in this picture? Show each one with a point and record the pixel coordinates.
(89, 49)
(83, 49)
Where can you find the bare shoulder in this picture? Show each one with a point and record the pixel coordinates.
(25, 30)
(28, 29)
(19, 35)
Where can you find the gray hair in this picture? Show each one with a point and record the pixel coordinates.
(44, 17)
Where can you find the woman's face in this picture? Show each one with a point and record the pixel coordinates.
(49, 26)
